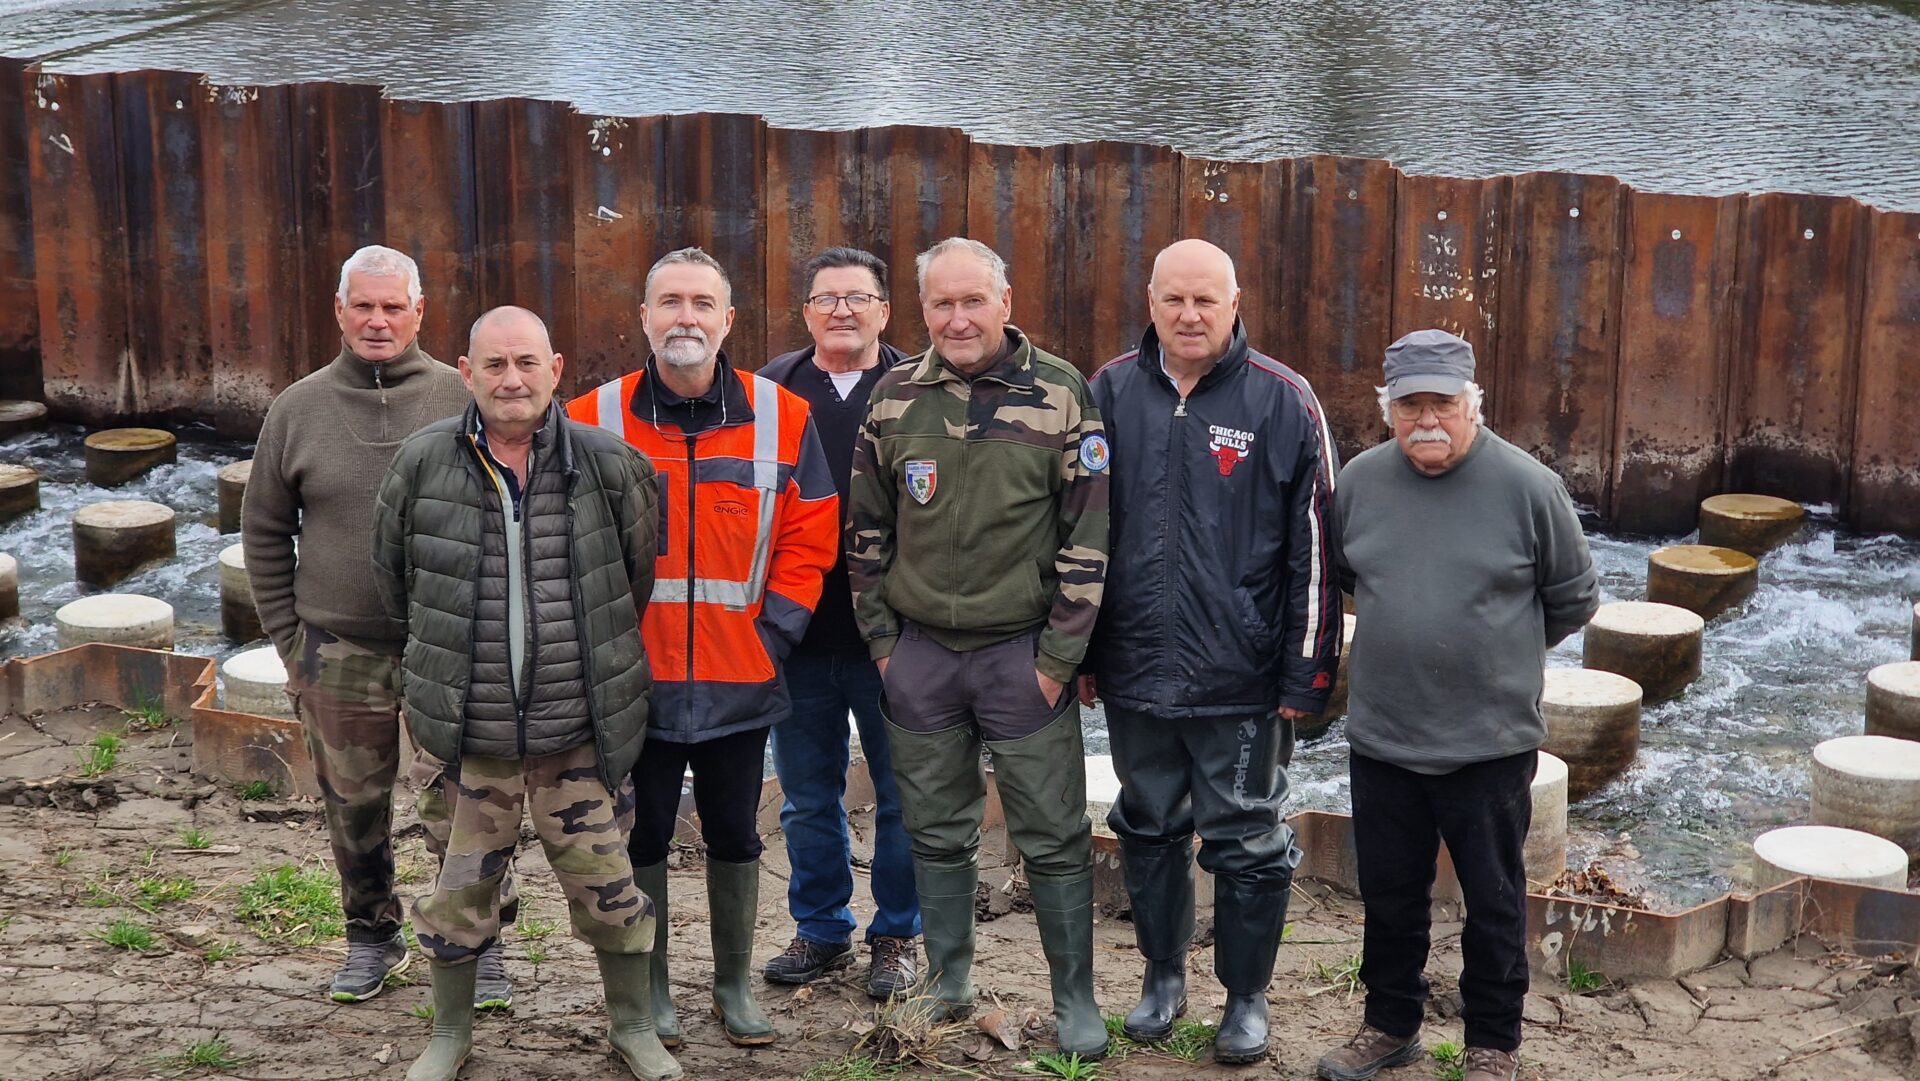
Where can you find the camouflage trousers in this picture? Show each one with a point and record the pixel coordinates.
(347, 699)
(583, 829)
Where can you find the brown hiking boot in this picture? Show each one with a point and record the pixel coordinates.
(1486, 1064)
(895, 967)
(805, 961)
(1369, 1052)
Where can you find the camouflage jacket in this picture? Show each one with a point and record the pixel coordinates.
(979, 507)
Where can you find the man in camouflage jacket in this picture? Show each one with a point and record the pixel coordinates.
(977, 549)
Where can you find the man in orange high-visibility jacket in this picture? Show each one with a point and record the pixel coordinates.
(750, 524)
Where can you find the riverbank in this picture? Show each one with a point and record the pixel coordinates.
(141, 920)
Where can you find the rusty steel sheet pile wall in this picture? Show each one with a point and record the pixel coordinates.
(167, 245)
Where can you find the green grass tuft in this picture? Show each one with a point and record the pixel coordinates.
(1191, 1040)
(851, 1068)
(99, 756)
(536, 955)
(156, 890)
(1065, 1067)
(1581, 979)
(422, 1010)
(215, 1054)
(1450, 1060)
(257, 790)
(288, 904)
(196, 839)
(220, 951)
(125, 934)
(148, 714)
(533, 930)
(62, 858)
(1344, 976)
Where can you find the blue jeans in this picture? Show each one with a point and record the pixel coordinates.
(810, 756)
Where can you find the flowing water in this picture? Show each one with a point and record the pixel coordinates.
(1722, 763)
(1708, 97)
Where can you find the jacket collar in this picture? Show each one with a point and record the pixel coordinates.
(781, 368)
(1230, 361)
(349, 368)
(1015, 370)
(726, 400)
(551, 434)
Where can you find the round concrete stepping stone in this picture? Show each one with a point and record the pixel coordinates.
(19, 491)
(238, 617)
(1754, 524)
(1103, 791)
(1546, 849)
(112, 540)
(1701, 579)
(125, 619)
(1830, 852)
(256, 683)
(1309, 727)
(1893, 700)
(118, 455)
(232, 484)
(1869, 783)
(1655, 645)
(9, 586)
(17, 417)
(1593, 724)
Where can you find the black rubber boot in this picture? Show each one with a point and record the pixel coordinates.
(652, 880)
(630, 1028)
(452, 1039)
(1248, 919)
(1160, 887)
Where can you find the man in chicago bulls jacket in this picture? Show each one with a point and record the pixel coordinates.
(1221, 624)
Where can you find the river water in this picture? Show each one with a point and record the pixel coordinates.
(1717, 766)
(1709, 97)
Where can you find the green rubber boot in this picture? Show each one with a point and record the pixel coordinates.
(1064, 911)
(652, 880)
(452, 1039)
(628, 979)
(946, 919)
(733, 901)
(943, 796)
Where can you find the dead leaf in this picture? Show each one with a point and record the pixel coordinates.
(979, 1048)
(861, 1027)
(996, 1024)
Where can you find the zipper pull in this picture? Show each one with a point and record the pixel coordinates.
(1180, 408)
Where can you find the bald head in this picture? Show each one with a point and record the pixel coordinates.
(512, 370)
(1194, 298)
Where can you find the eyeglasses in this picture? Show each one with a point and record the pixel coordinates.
(1445, 410)
(826, 303)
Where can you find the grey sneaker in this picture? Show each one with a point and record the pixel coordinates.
(895, 967)
(492, 990)
(367, 967)
(1369, 1052)
(1486, 1064)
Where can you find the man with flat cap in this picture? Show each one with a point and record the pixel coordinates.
(1466, 562)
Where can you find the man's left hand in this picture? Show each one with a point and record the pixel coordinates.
(1050, 687)
(1292, 714)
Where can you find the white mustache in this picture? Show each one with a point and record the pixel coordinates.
(1429, 435)
(694, 333)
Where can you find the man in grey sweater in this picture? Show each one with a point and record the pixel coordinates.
(325, 445)
(1467, 563)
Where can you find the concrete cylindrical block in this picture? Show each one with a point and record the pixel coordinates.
(9, 586)
(256, 683)
(1869, 783)
(238, 618)
(1754, 524)
(1309, 727)
(118, 455)
(1593, 724)
(1893, 700)
(1703, 580)
(114, 539)
(125, 619)
(19, 491)
(1546, 850)
(232, 483)
(1103, 791)
(1655, 645)
(1829, 852)
(17, 417)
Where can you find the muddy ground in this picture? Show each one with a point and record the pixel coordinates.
(78, 854)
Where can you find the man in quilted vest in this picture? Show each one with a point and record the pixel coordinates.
(518, 549)
(749, 525)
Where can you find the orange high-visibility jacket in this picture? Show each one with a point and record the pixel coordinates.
(749, 526)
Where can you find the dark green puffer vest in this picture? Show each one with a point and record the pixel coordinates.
(429, 540)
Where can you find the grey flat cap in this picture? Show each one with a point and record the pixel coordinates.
(1428, 362)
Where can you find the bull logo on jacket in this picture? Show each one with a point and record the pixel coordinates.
(923, 475)
(1229, 447)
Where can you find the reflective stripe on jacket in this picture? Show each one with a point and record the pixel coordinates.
(749, 525)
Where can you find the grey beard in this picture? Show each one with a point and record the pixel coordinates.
(684, 352)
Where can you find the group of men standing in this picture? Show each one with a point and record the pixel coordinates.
(578, 604)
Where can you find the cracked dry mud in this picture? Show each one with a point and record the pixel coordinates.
(73, 1007)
